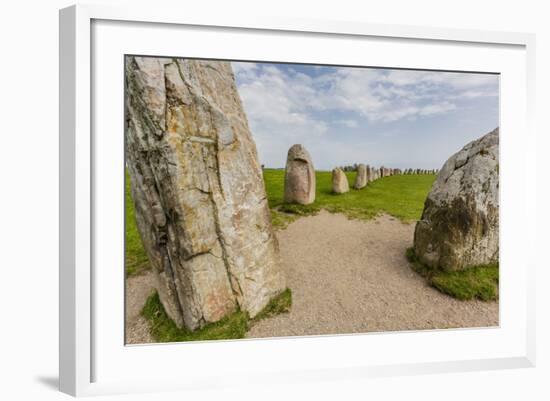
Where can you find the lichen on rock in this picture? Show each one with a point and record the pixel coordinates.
(300, 182)
(459, 227)
(201, 206)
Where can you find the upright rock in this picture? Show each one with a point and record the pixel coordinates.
(340, 183)
(460, 223)
(299, 176)
(361, 177)
(200, 201)
(370, 177)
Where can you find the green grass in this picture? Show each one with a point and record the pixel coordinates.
(280, 304)
(136, 259)
(234, 326)
(479, 282)
(401, 196)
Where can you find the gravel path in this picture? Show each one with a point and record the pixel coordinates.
(346, 276)
(138, 289)
(350, 276)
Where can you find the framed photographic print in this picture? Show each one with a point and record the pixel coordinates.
(292, 200)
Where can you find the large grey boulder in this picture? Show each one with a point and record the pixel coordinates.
(361, 177)
(200, 201)
(299, 176)
(459, 227)
(340, 183)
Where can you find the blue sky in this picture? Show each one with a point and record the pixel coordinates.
(345, 115)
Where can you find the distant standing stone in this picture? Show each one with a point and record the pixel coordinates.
(370, 177)
(340, 183)
(361, 177)
(299, 176)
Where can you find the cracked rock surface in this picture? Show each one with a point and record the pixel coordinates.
(200, 201)
(460, 222)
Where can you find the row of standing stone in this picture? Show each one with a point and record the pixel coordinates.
(366, 174)
(300, 176)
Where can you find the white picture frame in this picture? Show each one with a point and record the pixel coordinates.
(84, 351)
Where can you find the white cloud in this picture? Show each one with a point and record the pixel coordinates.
(240, 67)
(284, 105)
(348, 123)
(437, 108)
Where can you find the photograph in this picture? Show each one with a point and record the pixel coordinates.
(272, 199)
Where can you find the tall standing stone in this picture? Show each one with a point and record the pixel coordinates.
(370, 177)
(340, 183)
(459, 227)
(200, 201)
(299, 176)
(361, 177)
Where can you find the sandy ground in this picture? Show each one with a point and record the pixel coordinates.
(350, 276)
(346, 276)
(138, 289)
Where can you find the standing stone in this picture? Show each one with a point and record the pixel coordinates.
(370, 178)
(197, 186)
(361, 177)
(299, 176)
(460, 222)
(340, 183)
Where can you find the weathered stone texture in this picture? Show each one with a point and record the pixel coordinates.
(201, 206)
(299, 176)
(361, 177)
(340, 183)
(459, 227)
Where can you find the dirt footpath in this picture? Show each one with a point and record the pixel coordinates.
(138, 289)
(346, 276)
(350, 276)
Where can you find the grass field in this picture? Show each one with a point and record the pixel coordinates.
(401, 196)
(231, 327)
(136, 257)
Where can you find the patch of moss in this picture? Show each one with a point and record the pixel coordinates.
(233, 326)
(479, 282)
(163, 329)
(300, 210)
(280, 304)
(285, 214)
